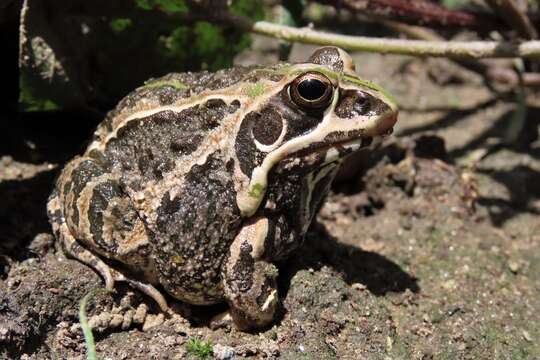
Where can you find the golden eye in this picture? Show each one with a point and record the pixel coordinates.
(311, 90)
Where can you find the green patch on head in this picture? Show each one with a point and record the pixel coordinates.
(255, 90)
(164, 83)
(256, 190)
(178, 259)
(199, 349)
(370, 85)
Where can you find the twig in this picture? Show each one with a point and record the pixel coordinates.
(450, 49)
(514, 17)
(411, 31)
(490, 72)
(417, 12)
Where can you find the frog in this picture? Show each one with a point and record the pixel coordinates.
(198, 183)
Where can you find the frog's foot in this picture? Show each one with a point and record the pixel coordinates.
(148, 290)
(250, 281)
(73, 249)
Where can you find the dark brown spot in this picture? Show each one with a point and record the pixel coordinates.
(186, 144)
(267, 126)
(353, 103)
(243, 269)
(101, 197)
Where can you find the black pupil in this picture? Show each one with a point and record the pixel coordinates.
(311, 89)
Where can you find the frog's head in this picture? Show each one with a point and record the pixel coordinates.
(317, 113)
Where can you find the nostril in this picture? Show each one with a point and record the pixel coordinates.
(361, 105)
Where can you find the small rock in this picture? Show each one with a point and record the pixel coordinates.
(179, 324)
(153, 321)
(514, 266)
(105, 319)
(116, 320)
(223, 352)
(93, 322)
(170, 340)
(3, 333)
(358, 286)
(527, 336)
(449, 284)
(75, 328)
(389, 344)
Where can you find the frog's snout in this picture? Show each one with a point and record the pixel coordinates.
(386, 124)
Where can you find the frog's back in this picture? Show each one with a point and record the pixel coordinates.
(169, 90)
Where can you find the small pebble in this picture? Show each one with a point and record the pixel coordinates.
(223, 352)
(358, 286)
(527, 336)
(514, 266)
(116, 320)
(153, 321)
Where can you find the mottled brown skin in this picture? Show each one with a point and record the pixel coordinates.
(197, 183)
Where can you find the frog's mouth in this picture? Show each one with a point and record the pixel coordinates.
(347, 146)
(351, 140)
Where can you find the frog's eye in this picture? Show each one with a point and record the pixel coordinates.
(311, 91)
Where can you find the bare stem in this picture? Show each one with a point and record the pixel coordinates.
(416, 12)
(513, 16)
(449, 49)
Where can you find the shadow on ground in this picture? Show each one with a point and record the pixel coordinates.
(378, 274)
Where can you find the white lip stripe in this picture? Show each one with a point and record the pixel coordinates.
(330, 123)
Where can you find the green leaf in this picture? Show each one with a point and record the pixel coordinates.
(199, 349)
(30, 100)
(209, 38)
(172, 6)
(168, 6)
(120, 24)
(144, 4)
(249, 8)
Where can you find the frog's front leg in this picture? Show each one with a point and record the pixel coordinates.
(250, 280)
(91, 215)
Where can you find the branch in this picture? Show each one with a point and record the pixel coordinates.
(415, 12)
(485, 68)
(513, 16)
(449, 49)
